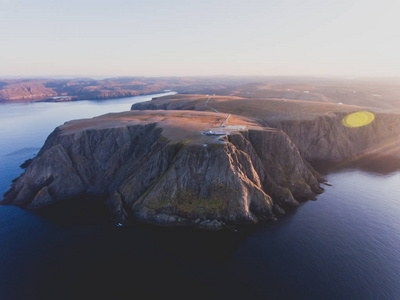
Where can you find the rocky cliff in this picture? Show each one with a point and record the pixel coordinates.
(316, 129)
(160, 167)
(325, 137)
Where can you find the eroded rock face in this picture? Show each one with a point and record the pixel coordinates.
(250, 176)
(325, 138)
(318, 133)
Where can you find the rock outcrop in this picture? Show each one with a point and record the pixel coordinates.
(158, 167)
(315, 128)
(325, 137)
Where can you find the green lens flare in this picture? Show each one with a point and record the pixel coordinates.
(358, 119)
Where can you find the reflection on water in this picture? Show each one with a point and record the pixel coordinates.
(345, 245)
(373, 164)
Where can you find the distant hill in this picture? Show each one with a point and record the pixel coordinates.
(372, 93)
(74, 89)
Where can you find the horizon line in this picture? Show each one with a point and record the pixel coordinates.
(103, 77)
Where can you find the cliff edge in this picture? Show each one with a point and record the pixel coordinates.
(174, 168)
(317, 129)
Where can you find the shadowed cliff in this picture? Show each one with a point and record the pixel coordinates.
(315, 128)
(193, 161)
(160, 167)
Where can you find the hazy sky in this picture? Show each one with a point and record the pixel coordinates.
(185, 37)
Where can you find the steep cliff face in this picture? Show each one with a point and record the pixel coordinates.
(315, 128)
(326, 138)
(143, 173)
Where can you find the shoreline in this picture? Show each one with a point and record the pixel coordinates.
(49, 100)
(74, 98)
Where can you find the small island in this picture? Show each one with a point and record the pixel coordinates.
(204, 161)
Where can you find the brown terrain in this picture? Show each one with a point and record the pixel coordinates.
(205, 161)
(315, 127)
(352, 92)
(165, 167)
(176, 125)
(259, 108)
(372, 93)
(75, 89)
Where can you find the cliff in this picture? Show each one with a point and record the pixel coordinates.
(161, 167)
(325, 137)
(316, 129)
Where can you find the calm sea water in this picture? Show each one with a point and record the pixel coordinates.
(345, 245)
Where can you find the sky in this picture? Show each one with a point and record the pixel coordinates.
(350, 38)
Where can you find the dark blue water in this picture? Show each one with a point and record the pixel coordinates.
(345, 245)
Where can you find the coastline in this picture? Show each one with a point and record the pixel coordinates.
(74, 98)
(322, 249)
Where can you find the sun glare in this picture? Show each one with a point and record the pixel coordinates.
(358, 119)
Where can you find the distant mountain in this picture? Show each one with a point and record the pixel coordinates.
(372, 93)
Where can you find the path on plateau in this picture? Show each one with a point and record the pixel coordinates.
(223, 122)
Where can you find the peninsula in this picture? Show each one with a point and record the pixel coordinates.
(203, 161)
